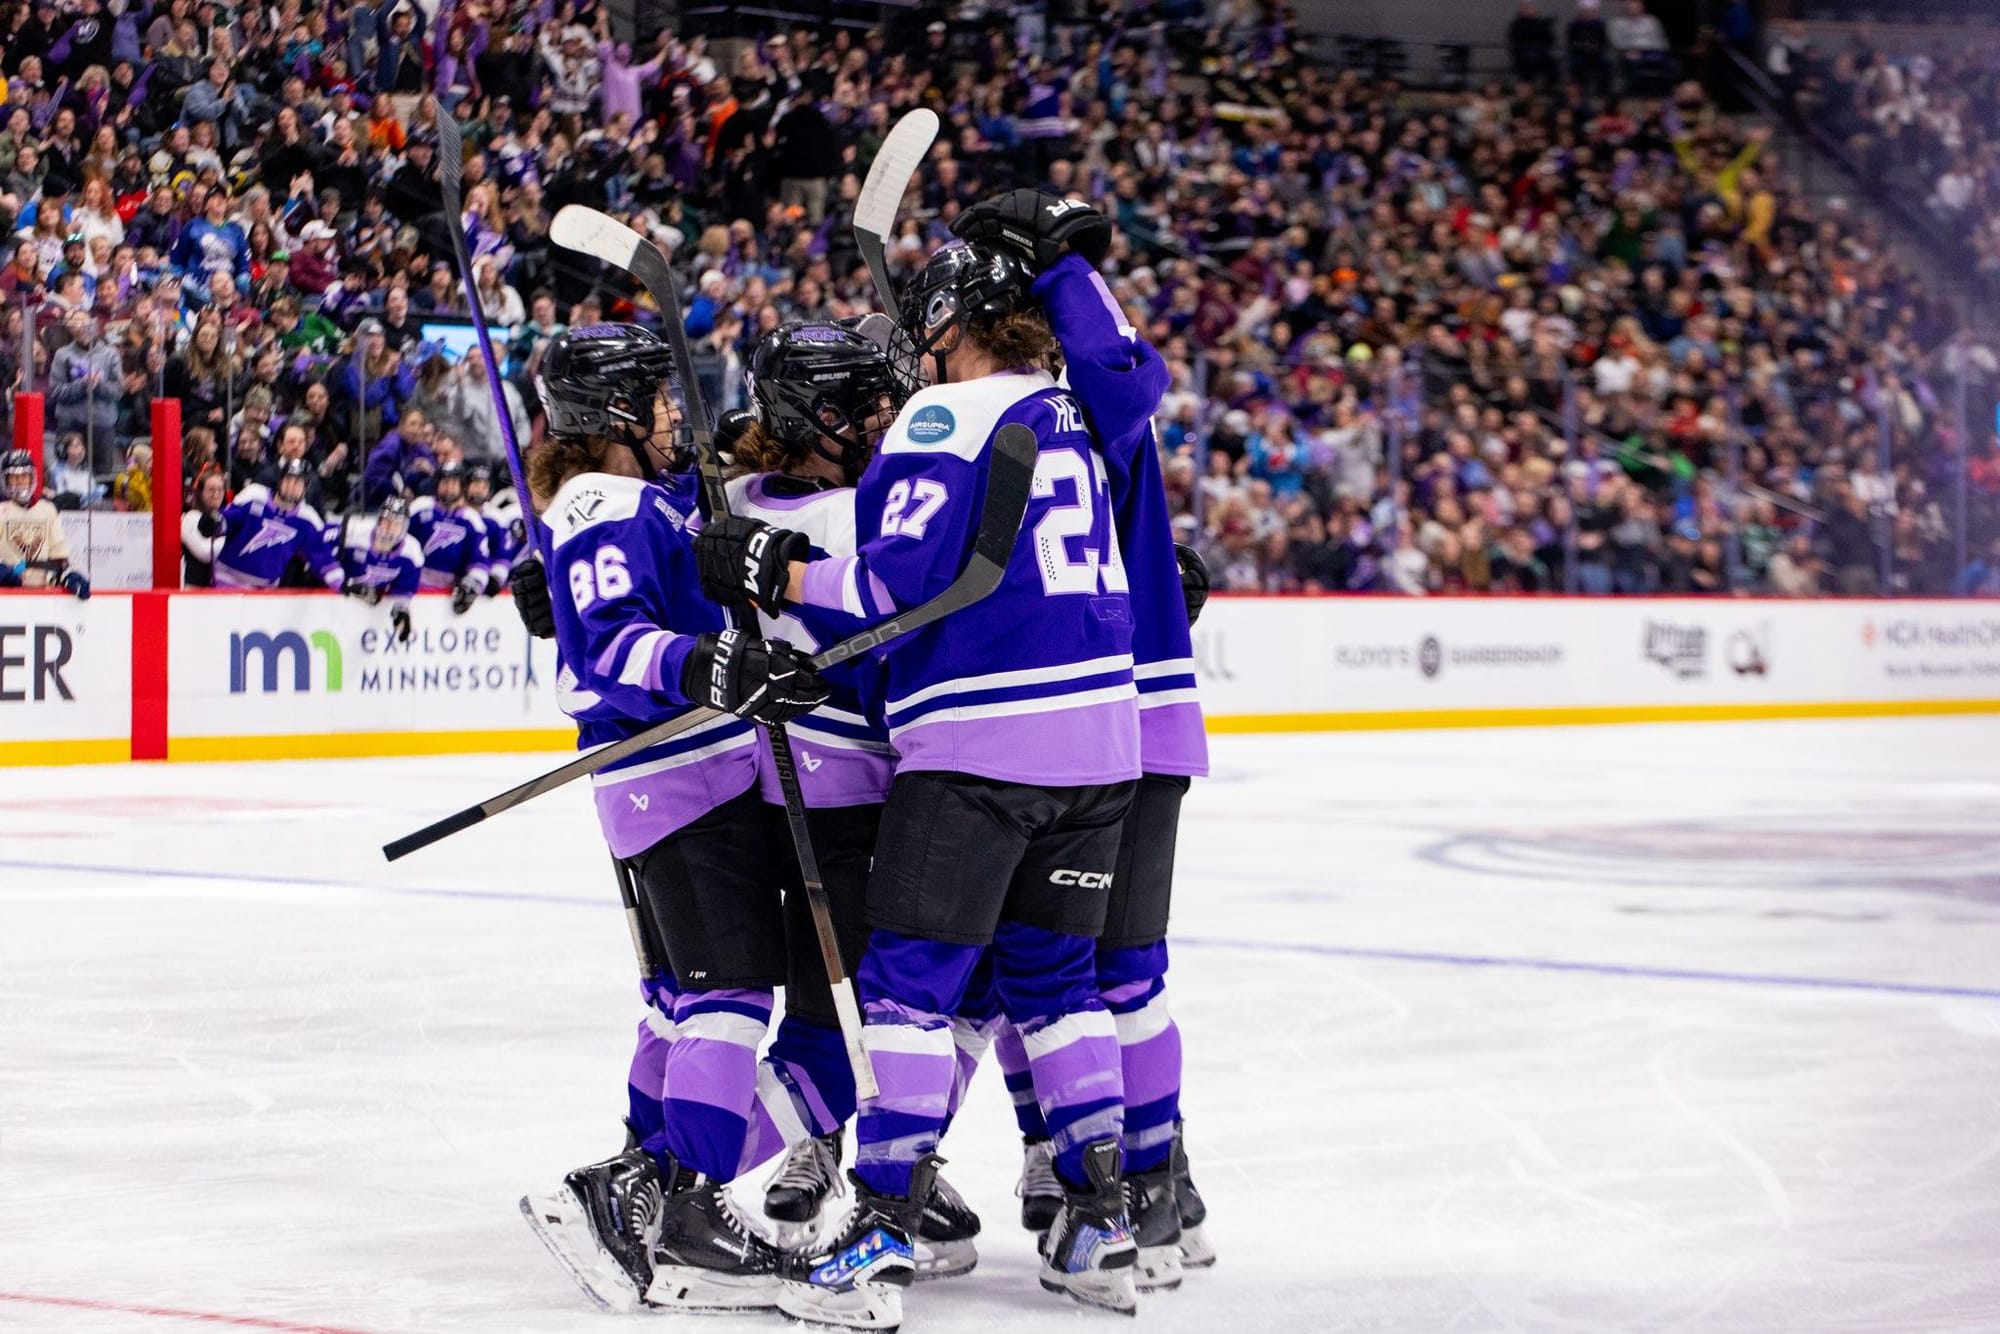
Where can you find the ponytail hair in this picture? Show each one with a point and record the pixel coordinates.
(758, 449)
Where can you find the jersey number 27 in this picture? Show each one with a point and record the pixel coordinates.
(1063, 573)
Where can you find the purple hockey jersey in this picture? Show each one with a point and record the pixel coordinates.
(627, 602)
(842, 747)
(398, 573)
(1119, 378)
(260, 537)
(453, 539)
(1033, 684)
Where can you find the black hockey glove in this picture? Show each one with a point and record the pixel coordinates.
(1194, 580)
(743, 560)
(74, 581)
(764, 679)
(368, 593)
(210, 524)
(531, 597)
(464, 594)
(399, 622)
(495, 581)
(1038, 227)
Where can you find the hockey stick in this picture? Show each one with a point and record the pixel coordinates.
(451, 167)
(1010, 473)
(602, 237)
(896, 162)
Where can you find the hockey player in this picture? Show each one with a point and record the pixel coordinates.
(264, 530)
(501, 522)
(453, 538)
(33, 551)
(822, 396)
(1120, 378)
(1017, 731)
(382, 560)
(638, 644)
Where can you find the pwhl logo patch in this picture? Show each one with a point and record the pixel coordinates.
(272, 653)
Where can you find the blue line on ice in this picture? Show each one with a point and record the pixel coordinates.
(1180, 942)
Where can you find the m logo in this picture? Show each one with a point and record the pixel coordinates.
(640, 800)
(1081, 879)
(272, 650)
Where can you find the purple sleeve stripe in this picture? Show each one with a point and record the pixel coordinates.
(878, 601)
(823, 581)
(614, 652)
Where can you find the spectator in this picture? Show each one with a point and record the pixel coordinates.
(85, 379)
(1645, 57)
(1531, 41)
(132, 489)
(198, 552)
(71, 484)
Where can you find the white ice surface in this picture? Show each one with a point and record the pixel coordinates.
(249, 1072)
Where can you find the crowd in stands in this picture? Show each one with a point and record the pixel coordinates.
(1570, 333)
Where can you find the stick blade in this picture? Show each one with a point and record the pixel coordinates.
(1009, 479)
(590, 232)
(901, 154)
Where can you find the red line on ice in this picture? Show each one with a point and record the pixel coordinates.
(174, 1313)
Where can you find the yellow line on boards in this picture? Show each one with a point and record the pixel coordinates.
(110, 750)
(1586, 715)
(363, 745)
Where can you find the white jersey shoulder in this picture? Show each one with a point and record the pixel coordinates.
(423, 505)
(311, 516)
(825, 517)
(253, 494)
(958, 419)
(592, 498)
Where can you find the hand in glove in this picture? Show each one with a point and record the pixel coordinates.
(1194, 580)
(74, 581)
(210, 524)
(743, 560)
(465, 594)
(1038, 227)
(531, 597)
(764, 679)
(368, 593)
(399, 621)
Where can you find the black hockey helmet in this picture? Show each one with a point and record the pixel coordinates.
(820, 386)
(288, 470)
(478, 475)
(963, 285)
(392, 524)
(18, 476)
(601, 379)
(453, 472)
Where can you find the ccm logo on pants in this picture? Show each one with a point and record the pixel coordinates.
(1081, 879)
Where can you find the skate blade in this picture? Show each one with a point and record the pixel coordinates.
(1102, 1290)
(789, 1236)
(704, 1292)
(1196, 1253)
(944, 1259)
(869, 1306)
(562, 1224)
(1159, 1268)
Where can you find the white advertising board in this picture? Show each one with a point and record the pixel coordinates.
(270, 674)
(114, 549)
(65, 678)
(1467, 661)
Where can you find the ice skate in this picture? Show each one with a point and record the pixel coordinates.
(706, 1259)
(1196, 1253)
(857, 1282)
(599, 1226)
(796, 1197)
(1089, 1255)
(943, 1240)
(1041, 1193)
(1156, 1228)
